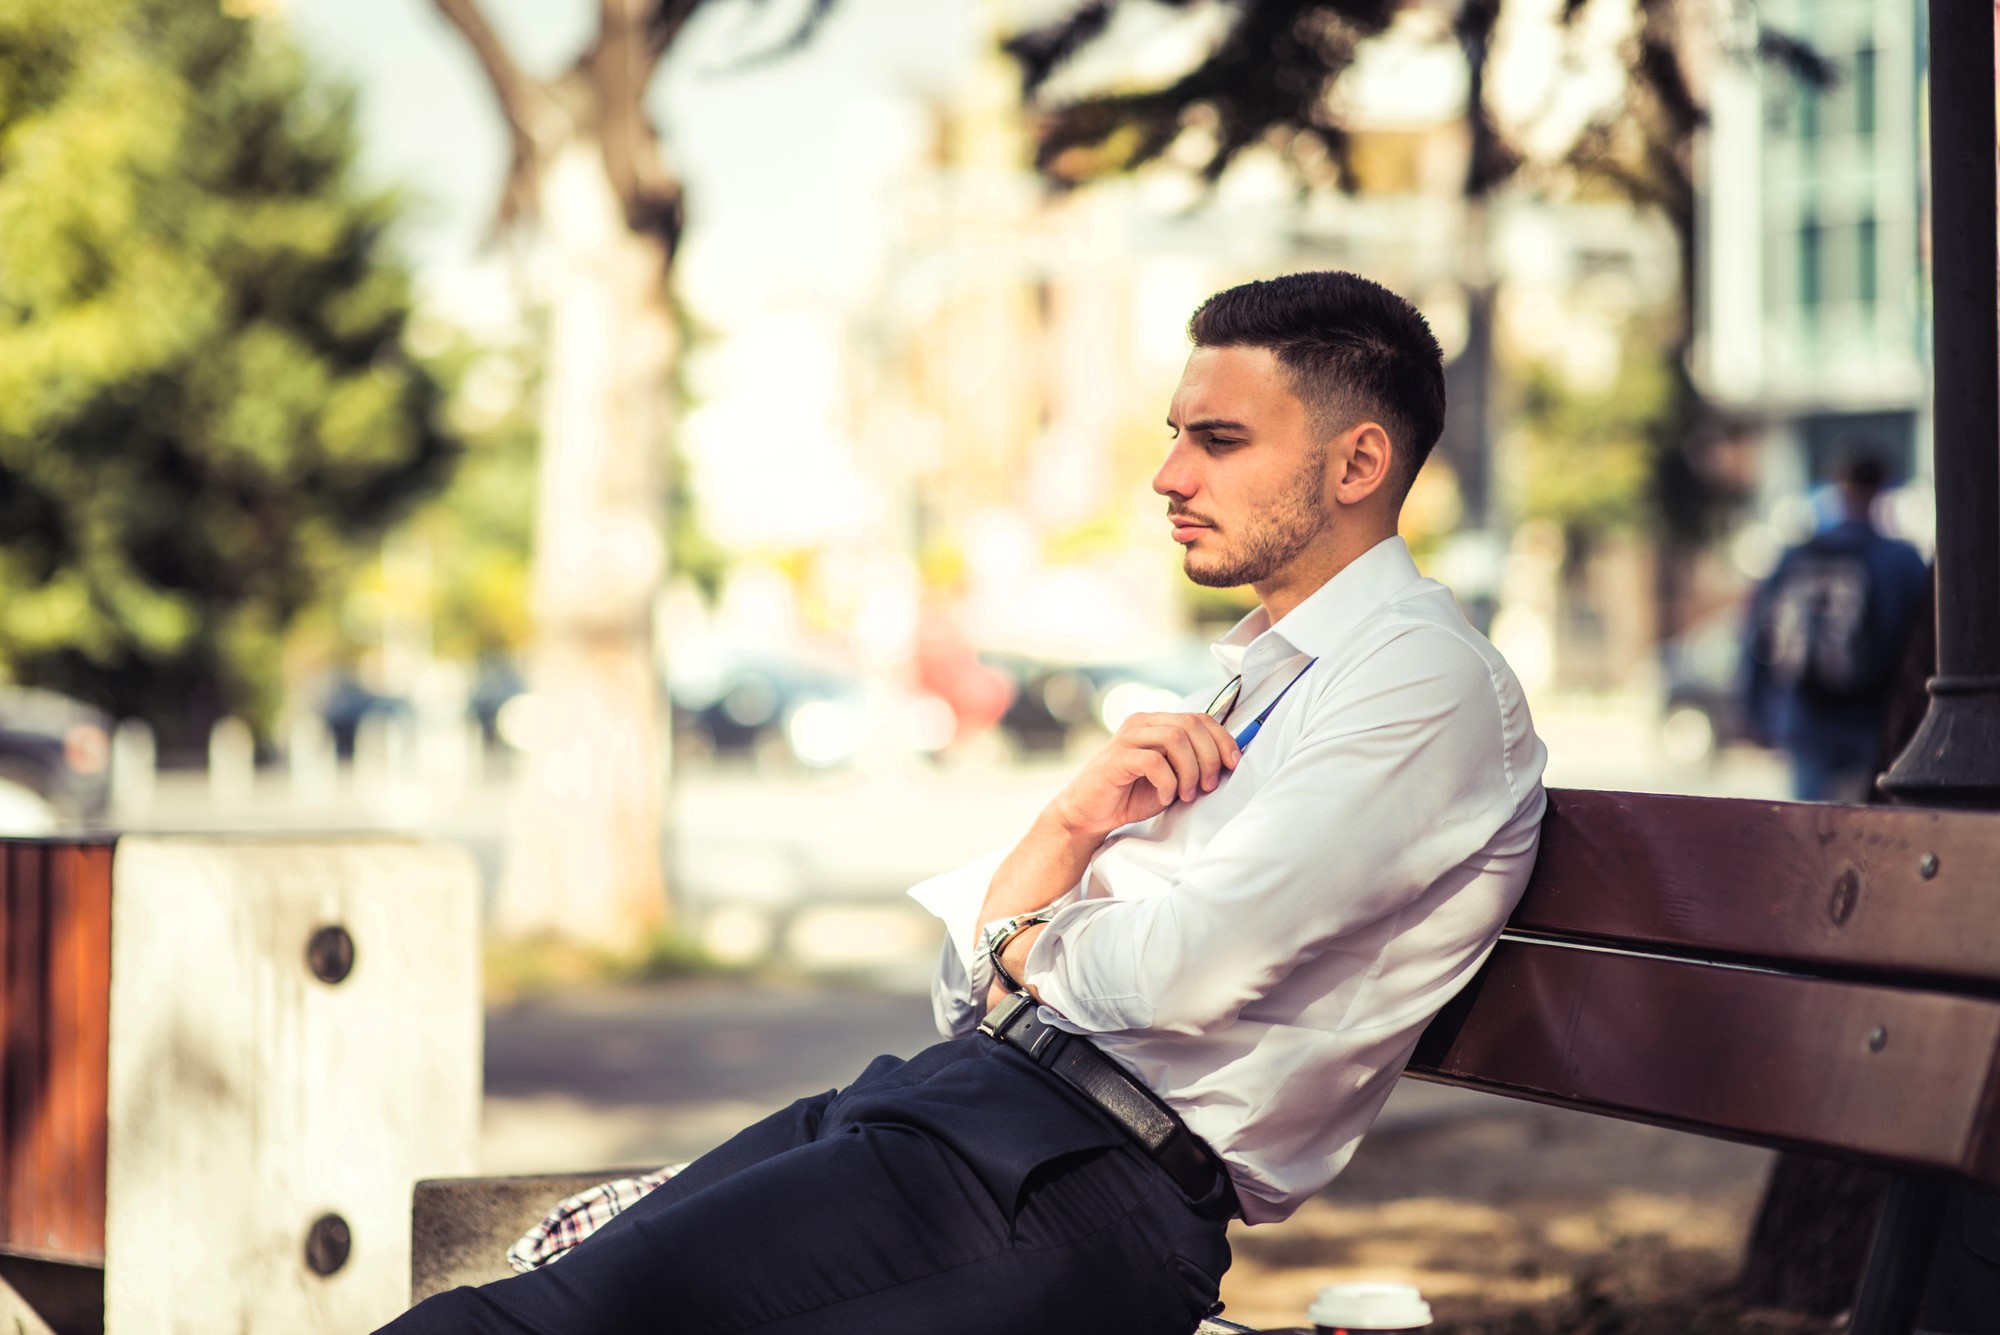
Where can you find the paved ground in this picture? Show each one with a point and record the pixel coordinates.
(659, 1073)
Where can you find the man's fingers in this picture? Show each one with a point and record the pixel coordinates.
(1176, 742)
(1200, 724)
(1207, 752)
(1160, 774)
(1224, 740)
(1201, 731)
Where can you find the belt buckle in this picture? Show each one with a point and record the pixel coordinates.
(1002, 1017)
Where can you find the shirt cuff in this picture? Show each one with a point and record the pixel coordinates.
(954, 899)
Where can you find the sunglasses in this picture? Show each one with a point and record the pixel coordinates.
(1224, 704)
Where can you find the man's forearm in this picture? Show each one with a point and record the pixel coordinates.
(1153, 761)
(1050, 859)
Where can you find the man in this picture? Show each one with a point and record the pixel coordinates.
(1826, 633)
(1226, 932)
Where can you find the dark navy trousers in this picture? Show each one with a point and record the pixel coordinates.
(964, 1191)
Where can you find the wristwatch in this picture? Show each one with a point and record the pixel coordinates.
(999, 934)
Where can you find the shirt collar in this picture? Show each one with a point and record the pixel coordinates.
(1316, 626)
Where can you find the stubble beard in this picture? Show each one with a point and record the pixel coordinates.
(1270, 539)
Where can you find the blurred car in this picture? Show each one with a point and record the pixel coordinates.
(1703, 710)
(348, 704)
(1053, 700)
(754, 703)
(495, 681)
(55, 751)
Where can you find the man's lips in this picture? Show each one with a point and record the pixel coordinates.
(1187, 529)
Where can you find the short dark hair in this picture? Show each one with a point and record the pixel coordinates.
(1354, 349)
(1864, 470)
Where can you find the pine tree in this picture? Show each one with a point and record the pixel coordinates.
(205, 404)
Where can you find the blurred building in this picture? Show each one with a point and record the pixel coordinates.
(1816, 321)
(1026, 347)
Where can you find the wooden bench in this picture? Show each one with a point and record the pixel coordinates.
(1814, 978)
(1802, 977)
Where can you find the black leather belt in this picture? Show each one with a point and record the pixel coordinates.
(1155, 1127)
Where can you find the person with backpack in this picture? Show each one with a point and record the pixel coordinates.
(1826, 632)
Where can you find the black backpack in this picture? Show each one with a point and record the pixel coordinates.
(1822, 626)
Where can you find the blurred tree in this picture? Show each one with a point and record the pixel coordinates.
(205, 407)
(590, 184)
(1270, 80)
(479, 529)
(1585, 452)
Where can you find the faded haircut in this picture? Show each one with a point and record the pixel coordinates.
(1354, 350)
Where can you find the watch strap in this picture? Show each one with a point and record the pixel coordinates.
(1001, 934)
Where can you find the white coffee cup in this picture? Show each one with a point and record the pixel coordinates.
(1366, 1307)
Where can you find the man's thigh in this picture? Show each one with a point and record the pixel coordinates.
(877, 1227)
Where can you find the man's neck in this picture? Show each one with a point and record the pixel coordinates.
(1309, 570)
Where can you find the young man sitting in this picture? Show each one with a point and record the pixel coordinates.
(1185, 994)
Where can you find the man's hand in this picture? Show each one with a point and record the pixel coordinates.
(1152, 760)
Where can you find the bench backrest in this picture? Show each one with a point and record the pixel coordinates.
(1811, 977)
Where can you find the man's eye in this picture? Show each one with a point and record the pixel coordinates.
(1221, 442)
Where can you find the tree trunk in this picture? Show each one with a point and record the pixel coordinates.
(583, 855)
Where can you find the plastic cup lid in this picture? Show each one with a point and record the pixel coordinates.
(1370, 1305)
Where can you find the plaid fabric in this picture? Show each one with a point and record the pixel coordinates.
(580, 1216)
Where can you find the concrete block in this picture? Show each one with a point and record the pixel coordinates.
(461, 1229)
(269, 1113)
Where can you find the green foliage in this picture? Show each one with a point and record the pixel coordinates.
(1586, 455)
(1267, 80)
(476, 536)
(205, 406)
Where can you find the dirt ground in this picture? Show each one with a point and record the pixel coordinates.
(1538, 1222)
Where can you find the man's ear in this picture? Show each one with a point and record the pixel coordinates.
(1367, 458)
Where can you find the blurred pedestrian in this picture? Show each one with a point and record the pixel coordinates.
(1826, 632)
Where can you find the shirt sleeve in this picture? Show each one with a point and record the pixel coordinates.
(964, 973)
(1403, 779)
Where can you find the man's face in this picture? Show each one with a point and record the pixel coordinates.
(1245, 480)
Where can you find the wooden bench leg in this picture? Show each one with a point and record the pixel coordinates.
(1900, 1259)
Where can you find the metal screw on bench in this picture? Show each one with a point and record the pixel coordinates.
(1878, 1038)
(330, 954)
(328, 1242)
(1927, 866)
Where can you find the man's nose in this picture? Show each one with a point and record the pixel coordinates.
(1176, 478)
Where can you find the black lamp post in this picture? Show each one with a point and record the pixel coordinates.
(1954, 758)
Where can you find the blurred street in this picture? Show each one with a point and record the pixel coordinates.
(806, 871)
(802, 875)
(1490, 1205)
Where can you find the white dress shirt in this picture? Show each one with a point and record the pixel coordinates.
(1265, 957)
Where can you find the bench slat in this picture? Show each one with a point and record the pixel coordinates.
(55, 1005)
(1781, 1060)
(1815, 886)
